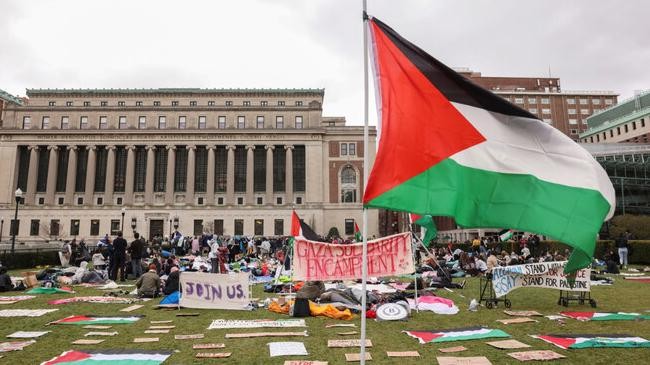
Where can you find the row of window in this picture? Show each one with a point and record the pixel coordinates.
(626, 129)
(182, 122)
(55, 228)
(176, 103)
(200, 200)
(570, 101)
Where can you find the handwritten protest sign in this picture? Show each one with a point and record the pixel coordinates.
(387, 256)
(541, 275)
(214, 291)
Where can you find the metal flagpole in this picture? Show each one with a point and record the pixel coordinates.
(414, 246)
(364, 261)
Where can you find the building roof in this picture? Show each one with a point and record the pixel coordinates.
(632, 108)
(176, 91)
(623, 108)
(607, 149)
(8, 97)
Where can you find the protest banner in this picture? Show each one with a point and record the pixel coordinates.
(541, 275)
(214, 291)
(387, 256)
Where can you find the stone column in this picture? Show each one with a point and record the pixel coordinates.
(209, 196)
(130, 175)
(230, 181)
(110, 176)
(71, 178)
(32, 176)
(269, 173)
(148, 180)
(90, 175)
(51, 174)
(289, 175)
(250, 158)
(171, 166)
(191, 169)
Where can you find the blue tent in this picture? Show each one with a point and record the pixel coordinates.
(171, 300)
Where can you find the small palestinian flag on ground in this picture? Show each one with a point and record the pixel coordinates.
(85, 320)
(457, 334)
(505, 235)
(599, 316)
(121, 357)
(593, 341)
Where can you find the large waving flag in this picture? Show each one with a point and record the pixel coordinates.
(479, 159)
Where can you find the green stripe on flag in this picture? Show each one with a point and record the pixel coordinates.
(486, 199)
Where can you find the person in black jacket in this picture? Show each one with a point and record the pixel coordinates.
(119, 256)
(5, 280)
(135, 250)
(171, 284)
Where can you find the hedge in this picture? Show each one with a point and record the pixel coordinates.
(640, 249)
(25, 259)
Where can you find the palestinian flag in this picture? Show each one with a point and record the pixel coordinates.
(505, 235)
(599, 316)
(591, 341)
(84, 320)
(458, 334)
(357, 233)
(117, 357)
(301, 229)
(426, 222)
(479, 159)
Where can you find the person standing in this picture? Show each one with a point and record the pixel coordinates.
(135, 250)
(119, 256)
(621, 244)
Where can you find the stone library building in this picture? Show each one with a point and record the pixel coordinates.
(91, 162)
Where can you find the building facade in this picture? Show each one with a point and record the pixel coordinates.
(626, 122)
(231, 162)
(543, 97)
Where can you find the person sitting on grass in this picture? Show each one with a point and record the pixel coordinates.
(172, 282)
(5, 280)
(149, 283)
(99, 262)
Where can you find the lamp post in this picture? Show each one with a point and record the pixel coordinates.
(19, 196)
(2, 225)
(122, 226)
(134, 223)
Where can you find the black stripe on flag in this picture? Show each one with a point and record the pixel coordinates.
(454, 86)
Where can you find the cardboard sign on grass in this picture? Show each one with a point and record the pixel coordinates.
(189, 337)
(475, 360)
(347, 343)
(214, 291)
(508, 344)
(208, 346)
(97, 327)
(536, 355)
(145, 339)
(357, 357)
(402, 354)
(101, 333)
(452, 349)
(213, 355)
(27, 334)
(266, 334)
(516, 320)
(156, 331)
(131, 308)
(305, 362)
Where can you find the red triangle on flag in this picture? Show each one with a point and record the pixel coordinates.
(295, 224)
(419, 125)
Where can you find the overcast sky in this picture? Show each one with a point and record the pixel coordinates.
(589, 44)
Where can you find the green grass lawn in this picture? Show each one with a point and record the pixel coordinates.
(623, 296)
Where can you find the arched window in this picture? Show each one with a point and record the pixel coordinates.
(348, 185)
